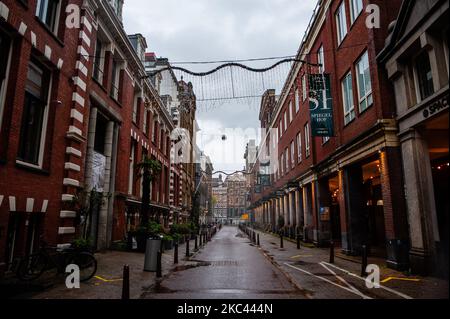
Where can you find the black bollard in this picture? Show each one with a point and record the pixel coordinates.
(187, 247)
(281, 240)
(158, 265)
(196, 244)
(126, 283)
(331, 252)
(175, 254)
(364, 261)
(200, 237)
(258, 243)
(298, 241)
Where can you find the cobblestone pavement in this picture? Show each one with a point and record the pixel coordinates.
(309, 268)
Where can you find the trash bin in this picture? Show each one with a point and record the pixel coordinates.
(151, 253)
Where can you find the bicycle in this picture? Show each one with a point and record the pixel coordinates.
(33, 266)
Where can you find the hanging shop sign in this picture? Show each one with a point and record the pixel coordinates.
(321, 105)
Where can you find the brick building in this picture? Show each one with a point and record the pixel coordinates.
(77, 114)
(220, 199)
(236, 197)
(343, 187)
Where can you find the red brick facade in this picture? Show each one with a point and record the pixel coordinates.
(38, 199)
(355, 172)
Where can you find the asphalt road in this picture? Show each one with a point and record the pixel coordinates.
(229, 267)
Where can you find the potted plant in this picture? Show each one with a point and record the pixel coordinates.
(82, 245)
(177, 238)
(167, 242)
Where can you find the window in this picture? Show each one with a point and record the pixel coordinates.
(292, 154)
(35, 113)
(299, 147)
(115, 80)
(5, 53)
(341, 23)
(286, 158)
(325, 139)
(291, 112)
(282, 164)
(136, 108)
(424, 75)
(145, 122)
(280, 128)
(285, 121)
(304, 89)
(321, 59)
(364, 83)
(347, 95)
(131, 168)
(356, 9)
(297, 101)
(307, 141)
(47, 11)
(155, 131)
(98, 62)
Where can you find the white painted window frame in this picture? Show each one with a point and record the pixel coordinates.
(321, 59)
(299, 148)
(368, 93)
(57, 14)
(348, 110)
(341, 23)
(304, 88)
(44, 125)
(353, 13)
(307, 141)
(297, 101)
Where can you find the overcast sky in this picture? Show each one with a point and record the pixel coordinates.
(206, 30)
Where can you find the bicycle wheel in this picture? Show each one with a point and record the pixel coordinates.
(32, 267)
(87, 264)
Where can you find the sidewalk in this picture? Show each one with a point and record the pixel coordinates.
(107, 283)
(309, 257)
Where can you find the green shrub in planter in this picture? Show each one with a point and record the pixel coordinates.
(168, 242)
(176, 238)
(82, 244)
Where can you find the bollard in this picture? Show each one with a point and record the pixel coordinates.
(187, 247)
(254, 237)
(298, 241)
(196, 243)
(258, 243)
(281, 240)
(200, 237)
(126, 283)
(158, 265)
(364, 261)
(331, 252)
(175, 254)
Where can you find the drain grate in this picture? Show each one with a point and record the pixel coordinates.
(224, 263)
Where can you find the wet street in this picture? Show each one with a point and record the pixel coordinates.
(229, 267)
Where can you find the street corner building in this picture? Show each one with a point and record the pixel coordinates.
(374, 173)
(78, 111)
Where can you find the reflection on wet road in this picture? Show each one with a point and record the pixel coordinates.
(229, 267)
